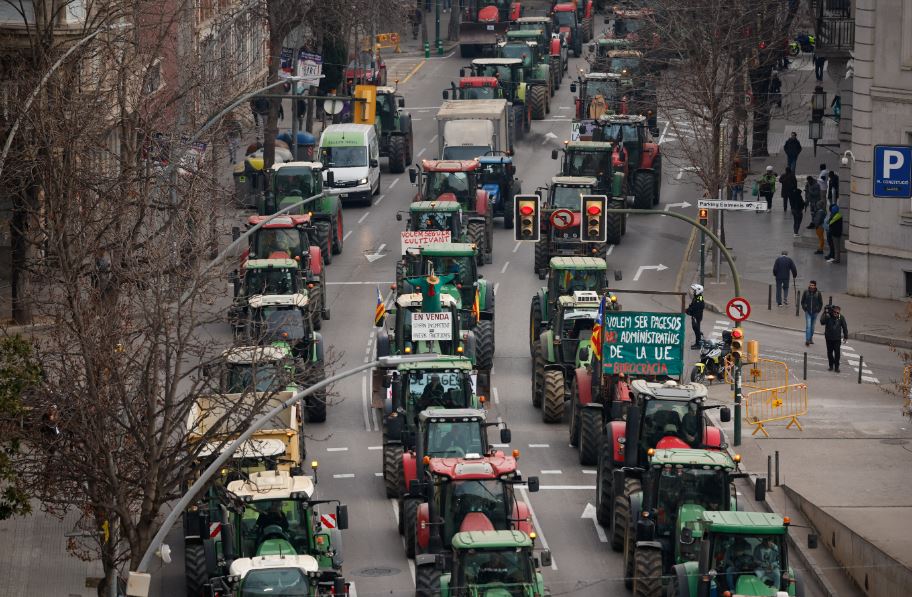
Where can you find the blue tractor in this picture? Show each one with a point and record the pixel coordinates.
(498, 178)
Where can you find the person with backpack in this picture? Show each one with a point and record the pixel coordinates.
(767, 187)
(835, 332)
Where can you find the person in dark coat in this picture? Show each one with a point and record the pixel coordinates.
(811, 304)
(833, 187)
(783, 268)
(775, 92)
(787, 182)
(796, 202)
(792, 149)
(834, 233)
(835, 331)
(695, 310)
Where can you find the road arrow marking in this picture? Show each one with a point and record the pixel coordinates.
(681, 171)
(589, 512)
(378, 254)
(682, 205)
(548, 136)
(642, 268)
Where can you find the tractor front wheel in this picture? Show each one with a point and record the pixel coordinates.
(647, 579)
(553, 404)
(615, 228)
(195, 573)
(427, 581)
(535, 323)
(484, 345)
(604, 500)
(410, 522)
(538, 98)
(398, 152)
(508, 214)
(315, 298)
(338, 234)
(574, 415)
(476, 233)
(541, 258)
(621, 518)
(538, 374)
(589, 435)
(324, 240)
(392, 470)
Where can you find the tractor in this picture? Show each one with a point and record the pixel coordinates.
(267, 277)
(736, 553)
(451, 180)
(597, 94)
(395, 129)
(473, 295)
(598, 52)
(556, 42)
(639, 157)
(561, 220)
(497, 78)
(562, 348)
(642, 415)
(443, 216)
(567, 24)
(535, 68)
(293, 182)
(290, 237)
(493, 563)
(498, 178)
(585, 15)
(634, 25)
(473, 493)
(280, 574)
(595, 159)
(677, 486)
(542, 53)
(566, 275)
(629, 64)
(280, 321)
(482, 22)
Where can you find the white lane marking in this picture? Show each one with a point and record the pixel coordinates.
(392, 184)
(364, 217)
(504, 268)
(378, 474)
(664, 130)
(539, 445)
(608, 252)
(433, 139)
(847, 348)
(365, 406)
(344, 476)
(337, 449)
(516, 248)
(589, 512)
(589, 471)
(346, 235)
(352, 591)
(565, 108)
(870, 379)
(421, 152)
(496, 396)
(567, 487)
(379, 199)
(375, 447)
(553, 471)
(538, 527)
(422, 110)
(416, 120)
(496, 286)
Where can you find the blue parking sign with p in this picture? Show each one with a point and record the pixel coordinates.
(893, 171)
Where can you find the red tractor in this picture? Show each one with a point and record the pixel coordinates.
(585, 18)
(636, 154)
(458, 180)
(483, 22)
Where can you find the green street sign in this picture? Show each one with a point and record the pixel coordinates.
(642, 343)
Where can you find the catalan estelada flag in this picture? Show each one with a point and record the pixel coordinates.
(476, 306)
(380, 311)
(596, 339)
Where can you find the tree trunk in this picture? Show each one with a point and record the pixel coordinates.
(19, 282)
(271, 126)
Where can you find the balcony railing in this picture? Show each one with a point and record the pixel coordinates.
(835, 34)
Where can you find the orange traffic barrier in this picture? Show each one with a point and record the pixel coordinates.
(759, 375)
(782, 403)
(388, 40)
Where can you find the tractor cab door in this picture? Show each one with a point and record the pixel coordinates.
(386, 110)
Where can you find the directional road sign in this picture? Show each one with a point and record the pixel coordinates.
(893, 171)
(732, 205)
(738, 309)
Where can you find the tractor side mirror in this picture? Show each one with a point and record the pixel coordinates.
(341, 517)
(446, 94)
(532, 483)
(572, 87)
(374, 163)
(330, 178)
(399, 216)
(505, 435)
(400, 102)
(618, 275)
(554, 154)
(725, 414)
(413, 175)
(545, 558)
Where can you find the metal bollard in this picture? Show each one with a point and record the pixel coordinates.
(769, 472)
(795, 280)
(777, 468)
(805, 374)
(427, 50)
(769, 297)
(860, 366)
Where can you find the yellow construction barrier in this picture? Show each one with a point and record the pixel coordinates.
(388, 40)
(760, 375)
(780, 403)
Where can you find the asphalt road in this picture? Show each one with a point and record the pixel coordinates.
(347, 446)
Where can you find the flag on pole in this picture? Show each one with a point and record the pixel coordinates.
(476, 306)
(596, 338)
(380, 311)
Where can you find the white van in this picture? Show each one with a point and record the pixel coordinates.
(351, 152)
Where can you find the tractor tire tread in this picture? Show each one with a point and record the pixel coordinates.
(590, 432)
(392, 470)
(553, 398)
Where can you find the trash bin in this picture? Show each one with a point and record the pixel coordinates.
(306, 144)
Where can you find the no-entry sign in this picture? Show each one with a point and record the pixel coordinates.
(738, 309)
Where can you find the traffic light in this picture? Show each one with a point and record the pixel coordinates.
(704, 217)
(737, 348)
(527, 215)
(592, 225)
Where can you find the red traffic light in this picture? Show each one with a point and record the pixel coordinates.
(593, 210)
(737, 333)
(526, 210)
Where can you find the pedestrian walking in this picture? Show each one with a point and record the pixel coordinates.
(695, 310)
(835, 332)
(819, 63)
(737, 180)
(811, 193)
(834, 233)
(787, 183)
(818, 220)
(796, 202)
(812, 305)
(783, 268)
(823, 179)
(792, 150)
(775, 90)
(833, 187)
(767, 187)
(233, 137)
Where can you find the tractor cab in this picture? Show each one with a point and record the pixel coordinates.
(436, 215)
(256, 369)
(444, 258)
(280, 574)
(388, 103)
(269, 276)
(488, 562)
(498, 179)
(626, 63)
(281, 321)
(632, 24)
(600, 48)
(598, 94)
(507, 73)
(404, 338)
(293, 182)
(521, 47)
(476, 88)
(567, 275)
(566, 192)
(593, 159)
(448, 180)
(633, 133)
(576, 316)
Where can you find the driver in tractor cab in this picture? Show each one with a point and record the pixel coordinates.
(456, 183)
(432, 395)
(663, 423)
(598, 106)
(766, 556)
(740, 561)
(273, 516)
(497, 570)
(690, 427)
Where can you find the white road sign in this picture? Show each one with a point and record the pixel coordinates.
(411, 239)
(432, 326)
(731, 205)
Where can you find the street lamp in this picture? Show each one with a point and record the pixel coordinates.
(138, 584)
(818, 106)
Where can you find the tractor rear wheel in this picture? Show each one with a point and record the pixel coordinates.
(338, 234)
(324, 240)
(400, 277)
(484, 345)
(315, 298)
(557, 74)
(604, 500)
(541, 259)
(195, 573)
(535, 323)
(620, 520)
(589, 435)
(647, 579)
(538, 97)
(427, 581)
(398, 152)
(643, 190)
(538, 374)
(315, 404)
(410, 522)
(574, 414)
(476, 233)
(553, 399)
(392, 470)
(615, 225)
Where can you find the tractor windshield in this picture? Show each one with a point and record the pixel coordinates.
(277, 582)
(624, 66)
(432, 221)
(469, 93)
(256, 377)
(454, 439)
(506, 568)
(517, 50)
(670, 418)
(606, 89)
(279, 324)
(343, 157)
(741, 559)
(628, 131)
(294, 181)
(460, 266)
(270, 281)
(445, 389)
(274, 243)
(461, 184)
(679, 486)
(580, 279)
(624, 27)
(590, 163)
(565, 18)
(470, 502)
(569, 197)
(280, 519)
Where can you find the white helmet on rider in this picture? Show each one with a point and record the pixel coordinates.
(696, 289)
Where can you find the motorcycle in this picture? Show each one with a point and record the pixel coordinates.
(804, 42)
(712, 359)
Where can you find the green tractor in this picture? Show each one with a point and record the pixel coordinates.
(566, 275)
(561, 349)
(677, 486)
(281, 574)
(494, 563)
(291, 182)
(595, 159)
(496, 78)
(395, 129)
(437, 216)
(739, 553)
(474, 296)
(542, 50)
(536, 70)
(268, 277)
(558, 50)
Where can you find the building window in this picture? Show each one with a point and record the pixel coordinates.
(908, 276)
(906, 35)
